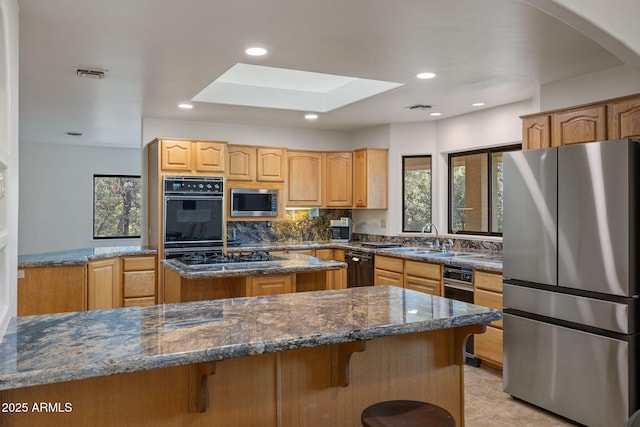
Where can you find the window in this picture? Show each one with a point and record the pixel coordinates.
(416, 192)
(475, 191)
(117, 206)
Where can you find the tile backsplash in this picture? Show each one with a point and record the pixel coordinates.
(299, 225)
(313, 225)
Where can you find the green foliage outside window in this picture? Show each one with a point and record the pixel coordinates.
(416, 192)
(117, 208)
(475, 191)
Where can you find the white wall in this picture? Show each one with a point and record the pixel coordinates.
(305, 139)
(56, 194)
(9, 17)
(613, 23)
(606, 84)
(371, 137)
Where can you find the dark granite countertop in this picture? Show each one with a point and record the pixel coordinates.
(281, 264)
(490, 261)
(71, 346)
(80, 256)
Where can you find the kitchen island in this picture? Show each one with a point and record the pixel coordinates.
(302, 359)
(282, 273)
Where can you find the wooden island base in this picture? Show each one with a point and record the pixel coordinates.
(180, 289)
(319, 386)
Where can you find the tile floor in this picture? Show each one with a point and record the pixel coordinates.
(486, 405)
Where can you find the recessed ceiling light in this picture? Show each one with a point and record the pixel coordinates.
(435, 114)
(311, 116)
(426, 75)
(256, 51)
(478, 104)
(185, 106)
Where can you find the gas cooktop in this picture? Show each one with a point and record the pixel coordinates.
(200, 258)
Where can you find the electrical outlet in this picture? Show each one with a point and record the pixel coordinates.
(383, 223)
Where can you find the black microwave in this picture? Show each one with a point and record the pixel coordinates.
(254, 202)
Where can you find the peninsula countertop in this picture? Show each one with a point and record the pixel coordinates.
(72, 346)
(80, 256)
(280, 264)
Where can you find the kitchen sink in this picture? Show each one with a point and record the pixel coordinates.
(426, 252)
(440, 254)
(404, 249)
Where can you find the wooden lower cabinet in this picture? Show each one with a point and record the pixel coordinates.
(336, 279)
(47, 290)
(423, 277)
(103, 284)
(415, 275)
(488, 346)
(138, 281)
(427, 286)
(384, 277)
(271, 285)
(388, 271)
(488, 293)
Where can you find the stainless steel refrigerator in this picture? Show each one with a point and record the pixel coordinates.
(571, 255)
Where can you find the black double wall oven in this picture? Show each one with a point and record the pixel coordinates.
(193, 215)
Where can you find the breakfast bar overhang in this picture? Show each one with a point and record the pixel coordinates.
(302, 359)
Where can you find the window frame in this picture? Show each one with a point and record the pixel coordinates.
(489, 153)
(93, 207)
(430, 157)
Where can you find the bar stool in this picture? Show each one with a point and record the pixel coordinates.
(406, 413)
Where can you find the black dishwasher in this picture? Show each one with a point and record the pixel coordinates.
(359, 268)
(458, 285)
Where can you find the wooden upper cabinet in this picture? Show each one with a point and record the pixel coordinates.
(204, 157)
(624, 118)
(610, 119)
(210, 156)
(271, 164)
(338, 179)
(176, 155)
(241, 164)
(580, 125)
(536, 132)
(264, 164)
(370, 175)
(304, 186)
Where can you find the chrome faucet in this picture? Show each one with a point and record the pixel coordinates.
(436, 242)
(447, 246)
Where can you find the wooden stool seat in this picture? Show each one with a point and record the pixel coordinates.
(406, 413)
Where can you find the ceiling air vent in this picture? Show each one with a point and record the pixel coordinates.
(87, 73)
(419, 107)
